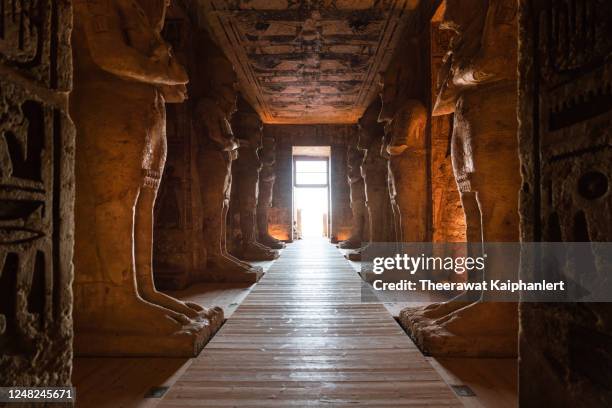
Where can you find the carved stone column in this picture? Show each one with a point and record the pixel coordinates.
(248, 129)
(215, 105)
(374, 170)
(36, 195)
(358, 199)
(405, 118)
(267, 177)
(122, 63)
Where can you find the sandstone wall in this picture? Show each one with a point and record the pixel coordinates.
(565, 113)
(36, 194)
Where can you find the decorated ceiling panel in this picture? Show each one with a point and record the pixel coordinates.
(309, 61)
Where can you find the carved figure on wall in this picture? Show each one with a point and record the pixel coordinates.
(267, 177)
(123, 64)
(479, 86)
(249, 130)
(215, 105)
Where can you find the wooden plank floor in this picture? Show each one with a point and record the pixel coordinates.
(302, 338)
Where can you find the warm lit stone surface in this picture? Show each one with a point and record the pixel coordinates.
(36, 195)
(308, 62)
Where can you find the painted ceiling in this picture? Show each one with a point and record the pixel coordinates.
(308, 61)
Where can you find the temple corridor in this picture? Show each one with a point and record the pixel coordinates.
(289, 203)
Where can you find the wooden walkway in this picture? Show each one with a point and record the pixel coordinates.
(302, 338)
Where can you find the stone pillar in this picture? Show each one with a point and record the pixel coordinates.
(36, 195)
(565, 116)
(358, 199)
(245, 170)
(267, 177)
(124, 73)
(178, 254)
(405, 118)
(480, 88)
(215, 103)
(374, 170)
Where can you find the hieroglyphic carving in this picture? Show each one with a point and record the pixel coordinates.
(36, 195)
(566, 153)
(33, 40)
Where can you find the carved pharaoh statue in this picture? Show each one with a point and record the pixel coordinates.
(374, 170)
(215, 105)
(122, 63)
(405, 118)
(357, 196)
(248, 129)
(479, 86)
(267, 177)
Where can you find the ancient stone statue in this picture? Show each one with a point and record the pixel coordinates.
(358, 199)
(215, 105)
(405, 118)
(122, 63)
(267, 177)
(480, 88)
(248, 129)
(374, 170)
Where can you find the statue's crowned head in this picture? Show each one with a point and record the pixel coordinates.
(369, 127)
(247, 125)
(156, 12)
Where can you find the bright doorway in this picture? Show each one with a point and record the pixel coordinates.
(311, 191)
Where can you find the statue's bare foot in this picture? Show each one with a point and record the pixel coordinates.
(215, 315)
(252, 251)
(478, 330)
(135, 327)
(229, 269)
(191, 310)
(411, 317)
(351, 243)
(355, 255)
(135, 315)
(271, 242)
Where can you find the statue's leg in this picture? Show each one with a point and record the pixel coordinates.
(106, 296)
(264, 202)
(486, 327)
(215, 184)
(414, 317)
(483, 328)
(144, 257)
(251, 249)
